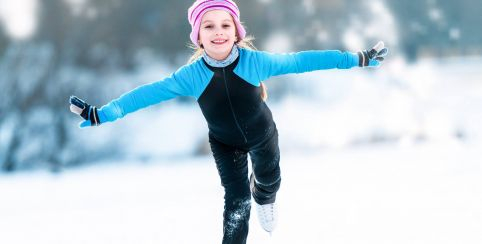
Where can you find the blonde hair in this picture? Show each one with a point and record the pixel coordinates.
(246, 43)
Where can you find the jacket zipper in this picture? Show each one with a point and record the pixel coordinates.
(231, 106)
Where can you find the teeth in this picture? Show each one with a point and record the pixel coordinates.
(218, 42)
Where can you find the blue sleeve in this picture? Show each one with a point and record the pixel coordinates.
(178, 84)
(278, 64)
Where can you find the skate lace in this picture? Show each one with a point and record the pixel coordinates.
(267, 213)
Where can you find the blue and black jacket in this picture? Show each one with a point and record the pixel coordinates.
(229, 97)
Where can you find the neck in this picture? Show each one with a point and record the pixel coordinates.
(219, 57)
(227, 60)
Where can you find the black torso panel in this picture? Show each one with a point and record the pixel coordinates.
(233, 108)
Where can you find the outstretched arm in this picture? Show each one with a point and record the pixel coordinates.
(141, 97)
(305, 61)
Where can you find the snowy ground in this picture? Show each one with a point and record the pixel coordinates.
(426, 193)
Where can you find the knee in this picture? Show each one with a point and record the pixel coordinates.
(237, 191)
(238, 206)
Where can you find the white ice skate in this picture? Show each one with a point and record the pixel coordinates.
(267, 213)
(267, 216)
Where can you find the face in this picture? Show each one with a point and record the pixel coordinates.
(217, 34)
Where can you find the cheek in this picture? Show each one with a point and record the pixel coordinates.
(232, 31)
(203, 37)
(202, 34)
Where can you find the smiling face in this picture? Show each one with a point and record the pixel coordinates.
(217, 34)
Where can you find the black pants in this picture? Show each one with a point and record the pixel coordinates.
(232, 165)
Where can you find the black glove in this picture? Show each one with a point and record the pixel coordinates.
(86, 111)
(373, 57)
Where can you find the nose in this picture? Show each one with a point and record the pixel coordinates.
(219, 32)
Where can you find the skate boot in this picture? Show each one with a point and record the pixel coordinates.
(267, 213)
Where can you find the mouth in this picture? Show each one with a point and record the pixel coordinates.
(219, 41)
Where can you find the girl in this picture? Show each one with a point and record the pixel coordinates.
(225, 76)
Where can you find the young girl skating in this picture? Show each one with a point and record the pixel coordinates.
(225, 76)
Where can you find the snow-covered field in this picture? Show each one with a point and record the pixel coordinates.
(389, 156)
(429, 193)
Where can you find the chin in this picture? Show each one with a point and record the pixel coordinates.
(223, 47)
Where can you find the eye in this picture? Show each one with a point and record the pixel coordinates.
(208, 26)
(226, 26)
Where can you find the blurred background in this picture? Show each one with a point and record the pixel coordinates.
(428, 88)
(392, 152)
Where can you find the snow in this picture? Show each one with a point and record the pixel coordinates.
(428, 193)
(367, 156)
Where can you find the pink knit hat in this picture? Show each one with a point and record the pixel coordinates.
(200, 7)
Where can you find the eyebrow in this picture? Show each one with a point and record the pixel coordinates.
(212, 21)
